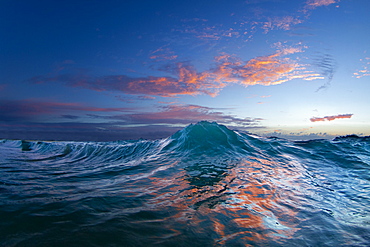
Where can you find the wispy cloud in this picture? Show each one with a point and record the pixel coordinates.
(330, 118)
(163, 53)
(207, 32)
(269, 22)
(186, 114)
(300, 135)
(365, 70)
(243, 27)
(283, 23)
(313, 4)
(32, 110)
(317, 3)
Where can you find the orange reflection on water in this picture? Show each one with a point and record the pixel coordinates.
(255, 207)
(242, 205)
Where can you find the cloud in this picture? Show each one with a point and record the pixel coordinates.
(330, 118)
(211, 33)
(145, 97)
(365, 71)
(186, 114)
(318, 3)
(31, 109)
(206, 32)
(268, 21)
(284, 23)
(267, 70)
(70, 116)
(299, 136)
(264, 70)
(35, 110)
(187, 82)
(313, 4)
(20, 120)
(163, 54)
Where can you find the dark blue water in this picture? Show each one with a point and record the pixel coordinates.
(204, 186)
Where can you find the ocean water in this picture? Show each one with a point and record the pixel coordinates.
(204, 186)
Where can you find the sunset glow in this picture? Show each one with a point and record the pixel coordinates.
(134, 68)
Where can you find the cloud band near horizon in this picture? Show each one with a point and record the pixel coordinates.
(330, 118)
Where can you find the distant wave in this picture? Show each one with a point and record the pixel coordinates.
(205, 185)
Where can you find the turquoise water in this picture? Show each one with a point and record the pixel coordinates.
(204, 186)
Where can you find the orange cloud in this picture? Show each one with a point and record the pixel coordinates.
(330, 118)
(187, 82)
(268, 70)
(264, 70)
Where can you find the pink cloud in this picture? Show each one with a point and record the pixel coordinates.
(318, 3)
(267, 70)
(264, 70)
(330, 118)
(187, 82)
(313, 4)
(365, 71)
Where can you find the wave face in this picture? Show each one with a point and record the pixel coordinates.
(206, 185)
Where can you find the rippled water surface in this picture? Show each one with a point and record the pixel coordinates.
(204, 186)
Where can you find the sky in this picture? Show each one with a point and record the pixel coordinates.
(89, 70)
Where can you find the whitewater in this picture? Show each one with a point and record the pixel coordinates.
(205, 185)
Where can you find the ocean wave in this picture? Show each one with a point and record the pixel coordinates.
(205, 185)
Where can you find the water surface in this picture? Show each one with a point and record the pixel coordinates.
(204, 186)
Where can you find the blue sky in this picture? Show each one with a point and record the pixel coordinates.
(109, 70)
